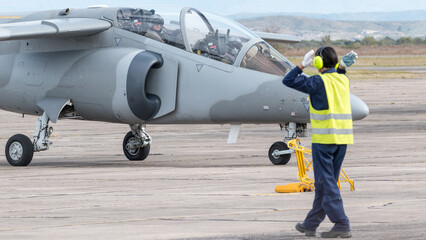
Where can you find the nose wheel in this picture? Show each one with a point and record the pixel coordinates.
(137, 143)
(279, 153)
(275, 153)
(132, 148)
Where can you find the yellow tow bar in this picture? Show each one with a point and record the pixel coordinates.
(306, 184)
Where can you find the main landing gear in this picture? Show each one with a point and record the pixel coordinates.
(19, 149)
(279, 153)
(136, 143)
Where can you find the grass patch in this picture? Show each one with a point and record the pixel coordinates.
(397, 50)
(371, 74)
(380, 61)
(391, 61)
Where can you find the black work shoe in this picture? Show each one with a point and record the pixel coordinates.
(301, 228)
(336, 234)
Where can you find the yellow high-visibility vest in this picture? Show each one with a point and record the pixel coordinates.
(334, 125)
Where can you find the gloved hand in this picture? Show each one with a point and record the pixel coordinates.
(307, 60)
(348, 59)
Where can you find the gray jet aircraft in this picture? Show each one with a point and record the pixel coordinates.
(141, 66)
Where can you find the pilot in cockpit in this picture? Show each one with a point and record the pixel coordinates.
(233, 47)
(155, 28)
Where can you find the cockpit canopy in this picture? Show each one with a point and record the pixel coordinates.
(204, 34)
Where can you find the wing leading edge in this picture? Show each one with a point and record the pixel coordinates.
(68, 27)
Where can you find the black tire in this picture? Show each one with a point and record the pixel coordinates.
(19, 150)
(136, 155)
(279, 160)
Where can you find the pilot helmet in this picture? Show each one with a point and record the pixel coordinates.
(235, 42)
(234, 45)
(155, 22)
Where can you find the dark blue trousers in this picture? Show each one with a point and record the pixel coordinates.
(327, 159)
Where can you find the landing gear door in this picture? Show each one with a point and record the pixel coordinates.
(163, 83)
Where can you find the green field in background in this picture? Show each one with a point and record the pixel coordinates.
(376, 61)
(380, 61)
(362, 74)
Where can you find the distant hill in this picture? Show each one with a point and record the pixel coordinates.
(310, 28)
(414, 15)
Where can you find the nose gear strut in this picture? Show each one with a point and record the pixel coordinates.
(279, 153)
(137, 143)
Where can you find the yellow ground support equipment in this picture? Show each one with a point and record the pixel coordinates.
(306, 184)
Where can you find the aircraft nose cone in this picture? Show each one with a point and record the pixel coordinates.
(360, 110)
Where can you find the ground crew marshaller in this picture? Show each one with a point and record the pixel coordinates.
(331, 119)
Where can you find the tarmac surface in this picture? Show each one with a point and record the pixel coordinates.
(195, 186)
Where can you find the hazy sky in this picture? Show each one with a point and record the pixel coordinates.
(226, 7)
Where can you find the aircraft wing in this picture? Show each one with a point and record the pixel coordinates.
(67, 27)
(277, 38)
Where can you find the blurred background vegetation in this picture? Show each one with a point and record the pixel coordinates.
(365, 46)
(355, 44)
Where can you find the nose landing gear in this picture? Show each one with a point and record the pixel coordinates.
(279, 153)
(136, 143)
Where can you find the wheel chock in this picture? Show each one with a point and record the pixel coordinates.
(293, 188)
(306, 184)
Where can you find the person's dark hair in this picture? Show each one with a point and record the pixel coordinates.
(329, 56)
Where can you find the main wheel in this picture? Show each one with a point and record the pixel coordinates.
(134, 153)
(278, 159)
(19, 150)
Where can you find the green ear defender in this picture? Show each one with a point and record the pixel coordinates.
(318, 63)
